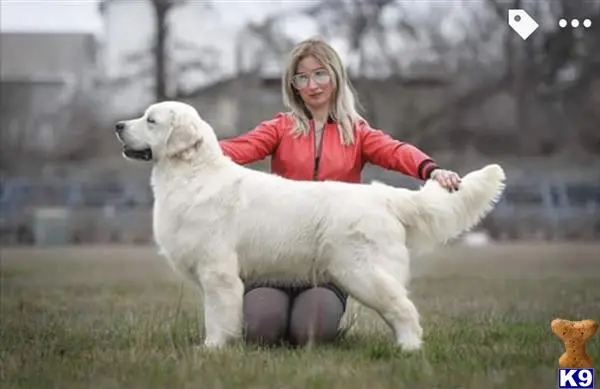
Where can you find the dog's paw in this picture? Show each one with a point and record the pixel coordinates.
(410, 342)
(212, 344)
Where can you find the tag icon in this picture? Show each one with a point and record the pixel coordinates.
(521, 22)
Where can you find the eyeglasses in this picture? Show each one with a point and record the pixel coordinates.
(301, 80)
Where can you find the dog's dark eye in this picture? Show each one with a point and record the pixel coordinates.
(150, 120)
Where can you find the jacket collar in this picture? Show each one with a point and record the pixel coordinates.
(310, 117)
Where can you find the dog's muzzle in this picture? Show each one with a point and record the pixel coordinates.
(139, 154)
(142, 155)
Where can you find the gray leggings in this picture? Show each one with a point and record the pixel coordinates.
(295, 316)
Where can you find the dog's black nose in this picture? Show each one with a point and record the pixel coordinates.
(119, 127)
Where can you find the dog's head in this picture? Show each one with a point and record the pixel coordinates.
(166, 130)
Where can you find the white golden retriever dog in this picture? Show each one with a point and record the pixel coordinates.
(218, 223)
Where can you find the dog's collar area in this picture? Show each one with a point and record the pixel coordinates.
(141, 155)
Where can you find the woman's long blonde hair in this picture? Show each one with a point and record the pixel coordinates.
(343, 109)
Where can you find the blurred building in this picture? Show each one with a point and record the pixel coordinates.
(45, 79)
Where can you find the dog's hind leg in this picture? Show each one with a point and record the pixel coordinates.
(223, 299)
(378, 284)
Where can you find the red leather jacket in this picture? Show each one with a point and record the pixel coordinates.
(294, 157)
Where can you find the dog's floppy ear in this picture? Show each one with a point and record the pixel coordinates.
(183, 135)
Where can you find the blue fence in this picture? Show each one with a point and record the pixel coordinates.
(18, 193)
(551, 209)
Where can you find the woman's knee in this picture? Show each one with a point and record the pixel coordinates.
(266, 315)
(315, 316)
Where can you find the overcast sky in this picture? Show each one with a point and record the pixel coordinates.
(230, 15)
(49, 15)
(82, 15)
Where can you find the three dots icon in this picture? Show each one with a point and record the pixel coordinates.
(562, 23)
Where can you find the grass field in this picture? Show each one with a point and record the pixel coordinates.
(118, 318)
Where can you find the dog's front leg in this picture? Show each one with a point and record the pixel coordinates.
(223, 298)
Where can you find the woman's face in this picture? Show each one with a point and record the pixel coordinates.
(313, 82)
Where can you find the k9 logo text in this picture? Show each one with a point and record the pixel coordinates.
(575, 378)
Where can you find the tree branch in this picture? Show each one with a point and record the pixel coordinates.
(125, 81)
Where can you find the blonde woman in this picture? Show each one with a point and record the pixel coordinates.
(322, 137)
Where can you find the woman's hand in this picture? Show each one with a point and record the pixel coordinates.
(446, 178)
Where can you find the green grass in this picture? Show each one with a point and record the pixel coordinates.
(107, 317)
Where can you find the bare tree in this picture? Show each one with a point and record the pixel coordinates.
(538, 73)
(274, 43)
(360, 23)
(157, 61)
(551, 63)
(162, 8)
(473, 50)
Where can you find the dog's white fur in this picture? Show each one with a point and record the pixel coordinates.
(218, 222)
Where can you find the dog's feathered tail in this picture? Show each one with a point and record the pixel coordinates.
(432, 215)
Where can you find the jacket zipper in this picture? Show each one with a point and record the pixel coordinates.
(317, 155)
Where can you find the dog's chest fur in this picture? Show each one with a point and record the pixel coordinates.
(188, 213)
